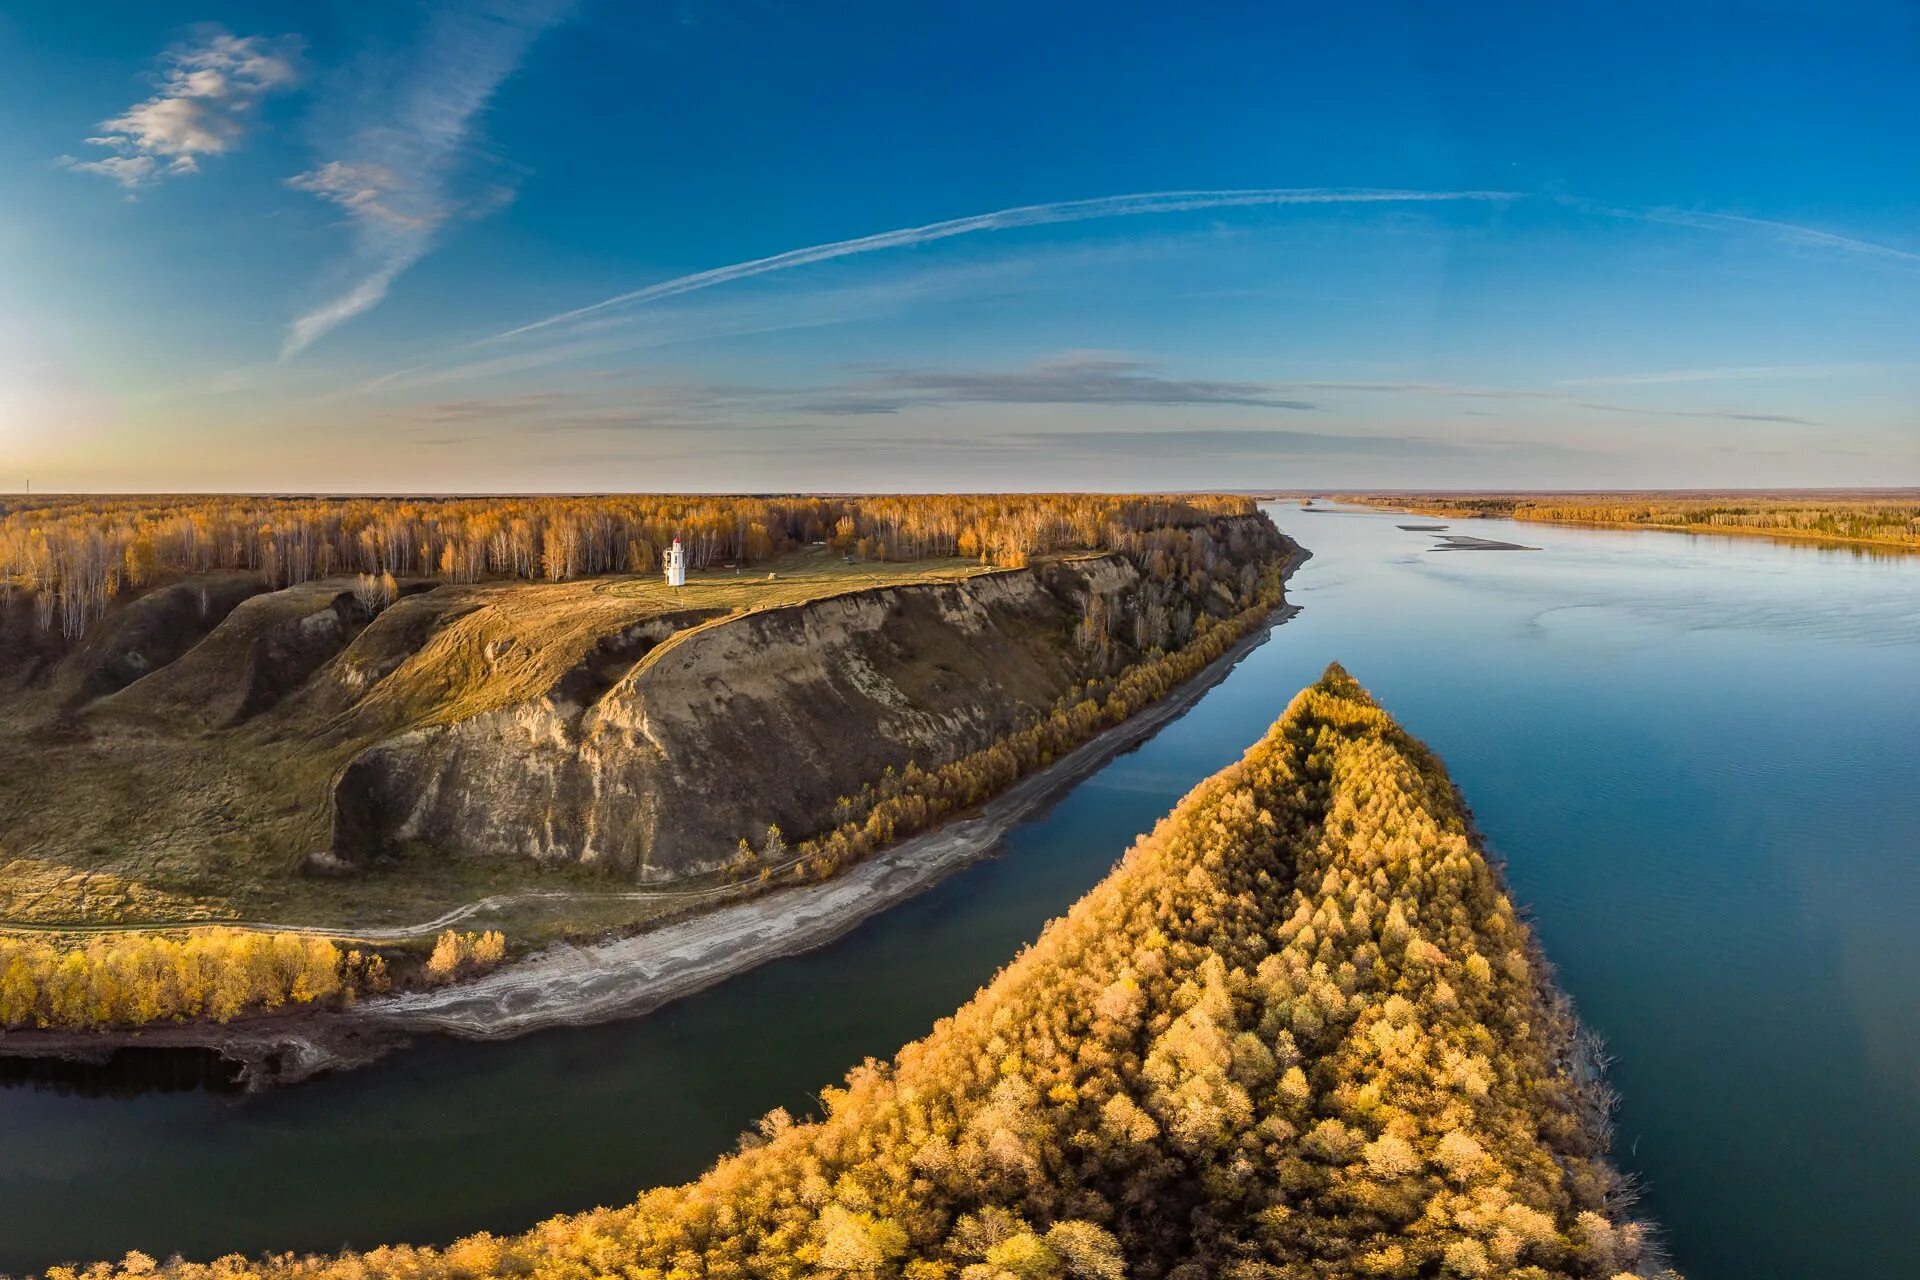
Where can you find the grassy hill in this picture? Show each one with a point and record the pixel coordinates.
(192, 787)
(1299, 1032)
(370, 753)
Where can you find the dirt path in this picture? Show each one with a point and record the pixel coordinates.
(397, 932)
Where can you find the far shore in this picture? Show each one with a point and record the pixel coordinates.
(1793, 537)
(1790, 536)
(578, 985)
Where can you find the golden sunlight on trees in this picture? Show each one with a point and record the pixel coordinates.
(1259, 1050)
(1856, 520)
(458, 955)
(914, 799)
(129, 979)
(76, 554)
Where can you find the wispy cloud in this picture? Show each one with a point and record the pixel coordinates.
(1793, 233)
(586, 332)
(1076, 378)
(715, 318)
(1449, 391)
(1226, 443)
(1091, 380)
(210, 90)
(1443, 390)
(1746, 373)
(1724, 415)
(397, 172)
(1035, 215)
(1789, 233)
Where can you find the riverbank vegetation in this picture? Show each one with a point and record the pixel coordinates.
(1299, 1032)
(127, 979)
(77, 553)
(120, 980)
(915, 799)
(1857, 518)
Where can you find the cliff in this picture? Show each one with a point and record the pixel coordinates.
(208, 737)
(717, 731)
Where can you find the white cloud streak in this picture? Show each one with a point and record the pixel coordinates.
(703, 320)
(1791, 233)
(210, 90)
(567, 331)
(398, 173)
(1746, 373)
(1788, 233)
(1035, 215)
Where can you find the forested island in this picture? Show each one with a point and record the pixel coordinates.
(1886, 519)
(358, 745)
(1299, 1031)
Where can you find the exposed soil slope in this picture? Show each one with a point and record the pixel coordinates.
(261, 754)
(713, 733)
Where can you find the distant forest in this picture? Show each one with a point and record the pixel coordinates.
(1299, 1033)
(1859, 518)
(77, 553)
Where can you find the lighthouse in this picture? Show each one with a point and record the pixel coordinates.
(676, 562)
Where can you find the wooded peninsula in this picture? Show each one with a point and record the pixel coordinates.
(1300, 1031)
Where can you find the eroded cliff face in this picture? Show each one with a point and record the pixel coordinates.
(263, 650)
(214, 722)
(722, 729)
(137, 636)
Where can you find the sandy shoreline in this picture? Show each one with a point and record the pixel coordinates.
(578, 985)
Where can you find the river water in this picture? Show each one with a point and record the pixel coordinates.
(1696, 755)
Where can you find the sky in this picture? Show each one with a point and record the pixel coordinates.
(540, 245)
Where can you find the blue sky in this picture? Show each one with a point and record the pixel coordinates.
(297, 247)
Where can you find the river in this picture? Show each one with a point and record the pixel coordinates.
(1696, 755)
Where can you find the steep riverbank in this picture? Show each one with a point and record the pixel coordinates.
(199, 754)
(572, 985)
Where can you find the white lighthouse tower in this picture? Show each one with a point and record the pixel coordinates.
(676, 565)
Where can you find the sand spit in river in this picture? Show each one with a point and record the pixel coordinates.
(1462, 542)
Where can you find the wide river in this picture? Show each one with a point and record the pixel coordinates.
(1697, 756)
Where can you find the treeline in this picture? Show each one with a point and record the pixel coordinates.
(217, 974)
(128, 979)
(1300, 1032)
(77, 553)
(1859, 520)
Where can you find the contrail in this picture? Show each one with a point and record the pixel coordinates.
(1782, 232)
(1793, 233)
(1032, 215)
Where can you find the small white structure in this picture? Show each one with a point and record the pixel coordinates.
(676, 561)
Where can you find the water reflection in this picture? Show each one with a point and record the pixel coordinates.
(124, 1073)
(1694, 754)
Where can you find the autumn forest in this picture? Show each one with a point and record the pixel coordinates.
(1299, 1031)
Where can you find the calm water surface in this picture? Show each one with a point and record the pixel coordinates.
(1697, 757)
